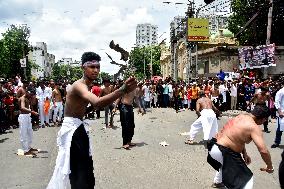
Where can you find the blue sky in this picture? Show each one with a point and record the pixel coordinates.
(71, 27)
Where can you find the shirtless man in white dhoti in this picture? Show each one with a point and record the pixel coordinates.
(25, 123)
(206, 119)
(74, 164)
(57, 105)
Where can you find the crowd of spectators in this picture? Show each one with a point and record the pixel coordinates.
(226, 94)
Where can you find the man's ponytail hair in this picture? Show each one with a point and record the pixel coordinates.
(261, 111)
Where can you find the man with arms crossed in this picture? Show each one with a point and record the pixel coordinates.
(225, 150)
(74, 164)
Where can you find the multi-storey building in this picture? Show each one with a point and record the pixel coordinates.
(165, 60)
(43, 61)
(146, 35)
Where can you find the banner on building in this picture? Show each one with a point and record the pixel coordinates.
(23, 63)
(198, 29)
(257, 57)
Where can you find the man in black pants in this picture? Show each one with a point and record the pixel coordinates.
(127, 118)
(74, 162)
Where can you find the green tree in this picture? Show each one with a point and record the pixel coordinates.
(255, 34)
(140, 55)
(14, 46)
(60, 72)
(105, 75)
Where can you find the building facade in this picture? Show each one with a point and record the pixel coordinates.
(177, 32)
(146, 35)
(165, 61)
(42, 60)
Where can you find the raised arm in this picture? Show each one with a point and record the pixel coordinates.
(129, 85)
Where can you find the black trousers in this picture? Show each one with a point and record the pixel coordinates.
(265, 126)
(193, 104)
(81, 163)
(127, 123)
(281, 172)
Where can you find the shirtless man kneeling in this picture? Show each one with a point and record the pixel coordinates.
(206, 119)
(225, 150)
(74, 164)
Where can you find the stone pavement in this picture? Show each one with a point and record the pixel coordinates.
(147, 166)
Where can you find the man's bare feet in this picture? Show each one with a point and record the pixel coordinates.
(189, 142)
(126, 147)
(30, 154)
(33, 150)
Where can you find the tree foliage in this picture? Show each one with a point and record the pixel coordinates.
(105, 75)
(140, 55)
(14, 46)
(256, 33)
(60, 72)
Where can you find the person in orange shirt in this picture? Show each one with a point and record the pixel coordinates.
(194, 96)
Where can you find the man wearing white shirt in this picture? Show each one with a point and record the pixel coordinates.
(42, 93)
(146, 91)
(222, 91)
(234, 94)
(279, 105)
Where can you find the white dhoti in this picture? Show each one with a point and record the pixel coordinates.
(26, 131)
(208, 122)
(58, 110)
(43, 118)
(60, 177)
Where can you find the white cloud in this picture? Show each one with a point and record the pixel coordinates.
(71, 27)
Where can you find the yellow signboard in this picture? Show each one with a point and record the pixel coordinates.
(198, 29)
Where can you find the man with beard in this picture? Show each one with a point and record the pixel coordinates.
(227, 151)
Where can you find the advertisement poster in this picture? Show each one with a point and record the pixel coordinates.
(198, 29)
(258, 57)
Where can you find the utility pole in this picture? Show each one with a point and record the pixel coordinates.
(144, 62)
(151, 64)
(269, 24)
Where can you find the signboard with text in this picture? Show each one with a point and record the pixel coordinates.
(198, 29)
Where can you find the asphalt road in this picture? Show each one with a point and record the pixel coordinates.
(146, 166)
